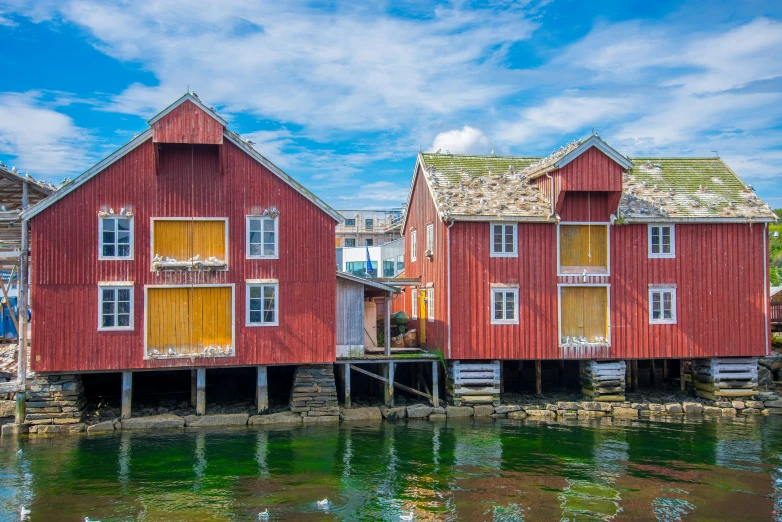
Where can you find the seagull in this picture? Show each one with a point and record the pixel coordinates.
(19, 453)
(122, 211)
(263, 515)
(324, 502)
(23, 513)
(111, 210)
(155, 351)
(171, 351)
(408, 516)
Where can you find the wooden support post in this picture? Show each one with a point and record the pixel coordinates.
(502, 377)
(628, 376)
(346, 384)
(435, 383)
(635, 375)
(387, 325)
(193, 388)
(200, 391)
(388, 387)
(127, 394)
(681, 374)
(665, 369)
(261, 390)
(538, 377)
(21, 407)
(652, 372)
(561, 374)
(22, 282)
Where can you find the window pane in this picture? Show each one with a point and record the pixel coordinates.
(268, 225)
(268, 250)
(108, 294)
(108, 307)
(123, 307)
(655, 240)
(123, 294)
(508, 239)
(498, 309)
(255, 292)
(255, 237)
(666, 240)
(256, 249)
(268, 237)
(123, 320)
(268, 316)
(656, 313)
(255, 225)
(108, 237)
(268, 291)
(108, 321)
(123, 251)
(255, 304)
(123, 238)
(109, 224)
(668, 305)
(123, 225)
(108, 250)
(510, 306)
(255, 317)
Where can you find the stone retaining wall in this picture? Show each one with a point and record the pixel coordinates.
(55, 404)
(314, 393)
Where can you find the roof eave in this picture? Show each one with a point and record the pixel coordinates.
(525, 219)
(602, 146)
(696, 220)
(185, 97)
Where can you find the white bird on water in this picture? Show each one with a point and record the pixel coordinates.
(324, 502)
(263, 515)
(24, 513)
(408, 516)
(19, 453)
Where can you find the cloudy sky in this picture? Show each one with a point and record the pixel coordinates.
(342, 95)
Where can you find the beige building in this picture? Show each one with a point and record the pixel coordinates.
(368, 227)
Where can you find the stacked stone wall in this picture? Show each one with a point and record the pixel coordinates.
(314, 394)
(55, 403)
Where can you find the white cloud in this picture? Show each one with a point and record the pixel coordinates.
(40, 139)
(468, 140)
(384, 192)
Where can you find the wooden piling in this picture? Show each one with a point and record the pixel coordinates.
(635, 375)
(261, 390)
(538, 378)
(388, 387)
(193, 388)
(346, 384)
(21, 407)
(628, 376)
(127, 394)
(681, 374)
(561, 374)
(652, 372)
(665, 369)
(200, 391)
(435, 383)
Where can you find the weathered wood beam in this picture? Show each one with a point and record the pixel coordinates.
(127, 394)
(435, 383)
(538, 377)
(262, 390)
(388, 389)
(635, 375)
(193, 388)
(681, 374)
(652, 372)
(200, 391)
(346, 384)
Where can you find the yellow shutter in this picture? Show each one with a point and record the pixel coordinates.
(186, 238)
(584, 311)
(189, 319)
(574, 245)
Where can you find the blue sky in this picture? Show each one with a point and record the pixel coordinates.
(342, 95)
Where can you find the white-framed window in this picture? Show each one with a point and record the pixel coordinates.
(414, 304)
(263, 306)
(504, 240)
(413, 245)
(350, 242)
(430, 304)
(369, 224)
(262, 237)
(115, 307)
(662, 304)
(350, 222)
(369, 242)
(115, 237)
(662, 241)
(505, 305)
(430, 237)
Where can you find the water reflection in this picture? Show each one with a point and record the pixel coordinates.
(471, 470)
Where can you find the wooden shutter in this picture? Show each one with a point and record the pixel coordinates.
(584, 311)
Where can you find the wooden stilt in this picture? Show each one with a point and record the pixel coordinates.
(346, 383)
(127, 394)
(561, 374)
(538, 378)
(21, 407)
(261, 390)
(200, 391)
(628, 376)
(193, 388)
(652, 372)
(665, 369)
(388, 386)
(681, 374)
(435, 383)
(635, 375)
(502, 377)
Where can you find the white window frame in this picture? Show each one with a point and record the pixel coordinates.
(495, 289)
(515, 252)
(262, 283)
(347, 224)
(350, 239)
(276, 222)
(430, 237)
(662, 289)
(118, 285)
(131, 227)
(608, 246)
(662, 255)
(429, 303)
(413, 245)
(414, 304)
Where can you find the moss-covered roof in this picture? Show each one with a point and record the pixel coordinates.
(492, 187)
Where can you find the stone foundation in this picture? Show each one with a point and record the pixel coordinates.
(55, 403)
(315, 392)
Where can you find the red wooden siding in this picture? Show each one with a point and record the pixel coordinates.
(472, 272)
(421, 212)
(187, 123)
(592, 170)
(595, 207)
(66, 269)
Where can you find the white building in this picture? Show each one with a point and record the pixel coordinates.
(388, 260)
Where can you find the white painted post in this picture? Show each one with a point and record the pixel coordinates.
(127, 394)
(346, 382)
(200, 391)
(435, 384)
(262, 390)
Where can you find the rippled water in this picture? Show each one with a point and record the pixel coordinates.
(471, 470)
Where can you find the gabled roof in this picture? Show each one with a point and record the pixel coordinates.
(147, 134)
(564, 155)
(192, 97)
(481, 188)
(680, 189)
(488, 188)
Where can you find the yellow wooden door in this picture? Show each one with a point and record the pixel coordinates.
(182, 239)
(583, 245)
(584, 312)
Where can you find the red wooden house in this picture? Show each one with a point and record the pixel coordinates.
(586, 254)
(185, 248)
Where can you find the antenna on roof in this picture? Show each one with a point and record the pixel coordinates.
(593, 131)
(716, 153)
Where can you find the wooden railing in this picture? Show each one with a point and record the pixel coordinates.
(776, 313)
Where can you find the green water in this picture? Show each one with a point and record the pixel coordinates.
(472, 470)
